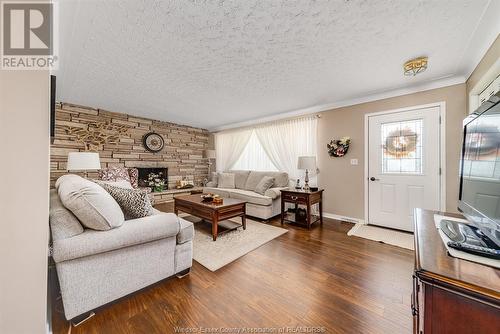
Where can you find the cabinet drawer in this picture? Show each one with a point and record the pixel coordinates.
(295, 198)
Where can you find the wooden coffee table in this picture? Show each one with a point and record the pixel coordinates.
(194, 205)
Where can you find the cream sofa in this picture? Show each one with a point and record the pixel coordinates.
(260, 206)
(98, 267)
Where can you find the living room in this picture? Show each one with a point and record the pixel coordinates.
(249, 166)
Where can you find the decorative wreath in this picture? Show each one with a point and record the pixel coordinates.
(339, 147)
(400, 143)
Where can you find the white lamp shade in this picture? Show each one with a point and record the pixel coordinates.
(83, 161)
(209, 154)
(307, 162)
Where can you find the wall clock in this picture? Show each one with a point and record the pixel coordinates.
(153, 142)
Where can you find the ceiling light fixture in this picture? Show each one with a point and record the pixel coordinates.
(414, 66)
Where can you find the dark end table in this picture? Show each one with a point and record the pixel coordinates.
(303, 197)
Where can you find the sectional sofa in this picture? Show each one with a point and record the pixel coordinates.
(261, 206)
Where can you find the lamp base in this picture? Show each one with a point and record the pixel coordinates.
(306, 182)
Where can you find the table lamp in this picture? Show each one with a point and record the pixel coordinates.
(308, 163)
(83, 161)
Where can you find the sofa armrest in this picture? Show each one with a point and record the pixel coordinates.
(132, 232)
(274, 192)
(186, 232)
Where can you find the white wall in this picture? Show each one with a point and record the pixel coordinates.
(24, 175)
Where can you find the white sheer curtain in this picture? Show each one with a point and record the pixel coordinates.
(229, 146)
(254, 157)
(270, 146)
(285, 141)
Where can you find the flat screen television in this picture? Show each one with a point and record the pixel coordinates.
(479, 198)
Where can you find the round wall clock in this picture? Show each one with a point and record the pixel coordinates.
(153, 142)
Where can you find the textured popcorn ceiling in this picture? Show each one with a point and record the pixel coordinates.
(211, 63)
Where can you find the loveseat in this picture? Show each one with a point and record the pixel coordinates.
(263, 206)
(96, 267)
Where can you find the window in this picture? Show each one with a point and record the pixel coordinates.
(402, 147)
(482, 159)
(268, 147)
(489, 91)
(254, 157)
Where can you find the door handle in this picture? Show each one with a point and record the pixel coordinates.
(374, 179)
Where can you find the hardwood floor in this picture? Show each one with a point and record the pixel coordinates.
(317, 278)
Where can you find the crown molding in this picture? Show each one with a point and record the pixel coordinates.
(375, 96)
(484, 35)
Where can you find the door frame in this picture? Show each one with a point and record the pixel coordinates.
(442, 150)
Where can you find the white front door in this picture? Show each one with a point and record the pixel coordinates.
(403, 166)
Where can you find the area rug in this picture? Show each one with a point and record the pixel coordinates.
(384, 235)
(231, 245)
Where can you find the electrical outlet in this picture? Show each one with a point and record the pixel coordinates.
(354, 162)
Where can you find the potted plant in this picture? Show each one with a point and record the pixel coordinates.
(156, 182)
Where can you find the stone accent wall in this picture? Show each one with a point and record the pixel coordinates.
(182, 154)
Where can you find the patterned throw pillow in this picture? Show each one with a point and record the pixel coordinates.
(134, 203)
(114, 173)
(134, 177)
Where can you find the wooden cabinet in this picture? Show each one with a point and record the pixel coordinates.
(450, 295)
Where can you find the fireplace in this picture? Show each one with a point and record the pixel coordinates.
(144, 176)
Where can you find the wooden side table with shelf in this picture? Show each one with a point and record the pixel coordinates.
(302, 197)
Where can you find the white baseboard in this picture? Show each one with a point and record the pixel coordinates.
(343, 218)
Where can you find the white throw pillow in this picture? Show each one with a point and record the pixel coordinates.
(226, 180)
(264, 184)
(90, 203)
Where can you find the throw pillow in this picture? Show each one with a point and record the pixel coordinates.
(134, 203)
(264, 184)
(114, 173)
(133, 173)
(226, 180)
(90, 203)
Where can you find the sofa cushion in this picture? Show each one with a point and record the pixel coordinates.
(134, 203)
(226, 180)
(186, 232)
(89, 202)
(250, 196)
(63, 223)
(265, 183)
(217, 191)
(240, 178)
(132, 232)
(280, 179)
